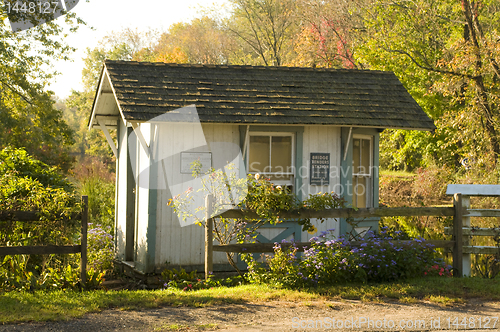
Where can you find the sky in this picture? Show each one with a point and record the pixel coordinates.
(106, 16)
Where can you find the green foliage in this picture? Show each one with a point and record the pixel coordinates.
(30, 185)
(27, 184)
(62, 278)
(19, 163)
(323, 201)
(486, 266)
(55, 207)
(174, 275)
(182, 280)
(101, 193)
(448, 64)
(26, 107)
(267, 199)
(97, 182)
(334, 261)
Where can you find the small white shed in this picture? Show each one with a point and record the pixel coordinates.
(314, 130)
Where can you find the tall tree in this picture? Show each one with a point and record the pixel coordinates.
(27, 110)
(450, 50)
(201, 41)
(328, 33)
(268, 27)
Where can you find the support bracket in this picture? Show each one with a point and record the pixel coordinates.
(346, 148)
(108, 136)
(142, 140)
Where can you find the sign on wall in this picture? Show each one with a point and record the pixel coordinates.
(187, 158)
(320, 168)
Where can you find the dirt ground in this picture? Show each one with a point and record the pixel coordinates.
(287, 316)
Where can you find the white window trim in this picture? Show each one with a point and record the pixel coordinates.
(370, 168)
(369, 175)
(271, 134)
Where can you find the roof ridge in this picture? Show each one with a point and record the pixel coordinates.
(220, 66)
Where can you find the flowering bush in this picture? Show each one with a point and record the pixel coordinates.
(438, 270)
(329, 261)
(100, 247)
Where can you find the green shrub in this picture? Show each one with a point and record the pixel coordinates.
(101, 195)
(50, 279)
(27, 184)
(188, 281)
(18, 163)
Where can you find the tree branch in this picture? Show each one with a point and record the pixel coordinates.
(436, 70)
(11, 88)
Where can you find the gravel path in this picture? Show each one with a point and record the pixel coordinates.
(286, 316)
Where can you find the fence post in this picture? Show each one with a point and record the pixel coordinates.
(83, 261)
(457, 236)
(461, 262)
(466, 258)
(209, 241)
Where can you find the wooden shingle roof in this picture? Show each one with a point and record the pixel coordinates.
(265, 95)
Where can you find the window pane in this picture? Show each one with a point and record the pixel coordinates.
(259, 153)
(365, 157)
(360, 191)
(278, 178)
(356, 146)
(281, 154)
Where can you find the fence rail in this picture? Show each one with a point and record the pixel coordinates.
(268, 247)
(459, 245)
(348, 213)
(27, 216)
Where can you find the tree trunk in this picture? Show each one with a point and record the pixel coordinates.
(474, 30)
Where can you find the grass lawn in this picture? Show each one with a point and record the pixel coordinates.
(61, 305)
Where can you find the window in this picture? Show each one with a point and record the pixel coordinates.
(271, 155)
(362, 172)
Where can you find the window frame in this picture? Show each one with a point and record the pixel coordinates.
(272, 134)
(369, 176)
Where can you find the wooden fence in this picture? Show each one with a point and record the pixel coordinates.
(27, 216)
(458, 245)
